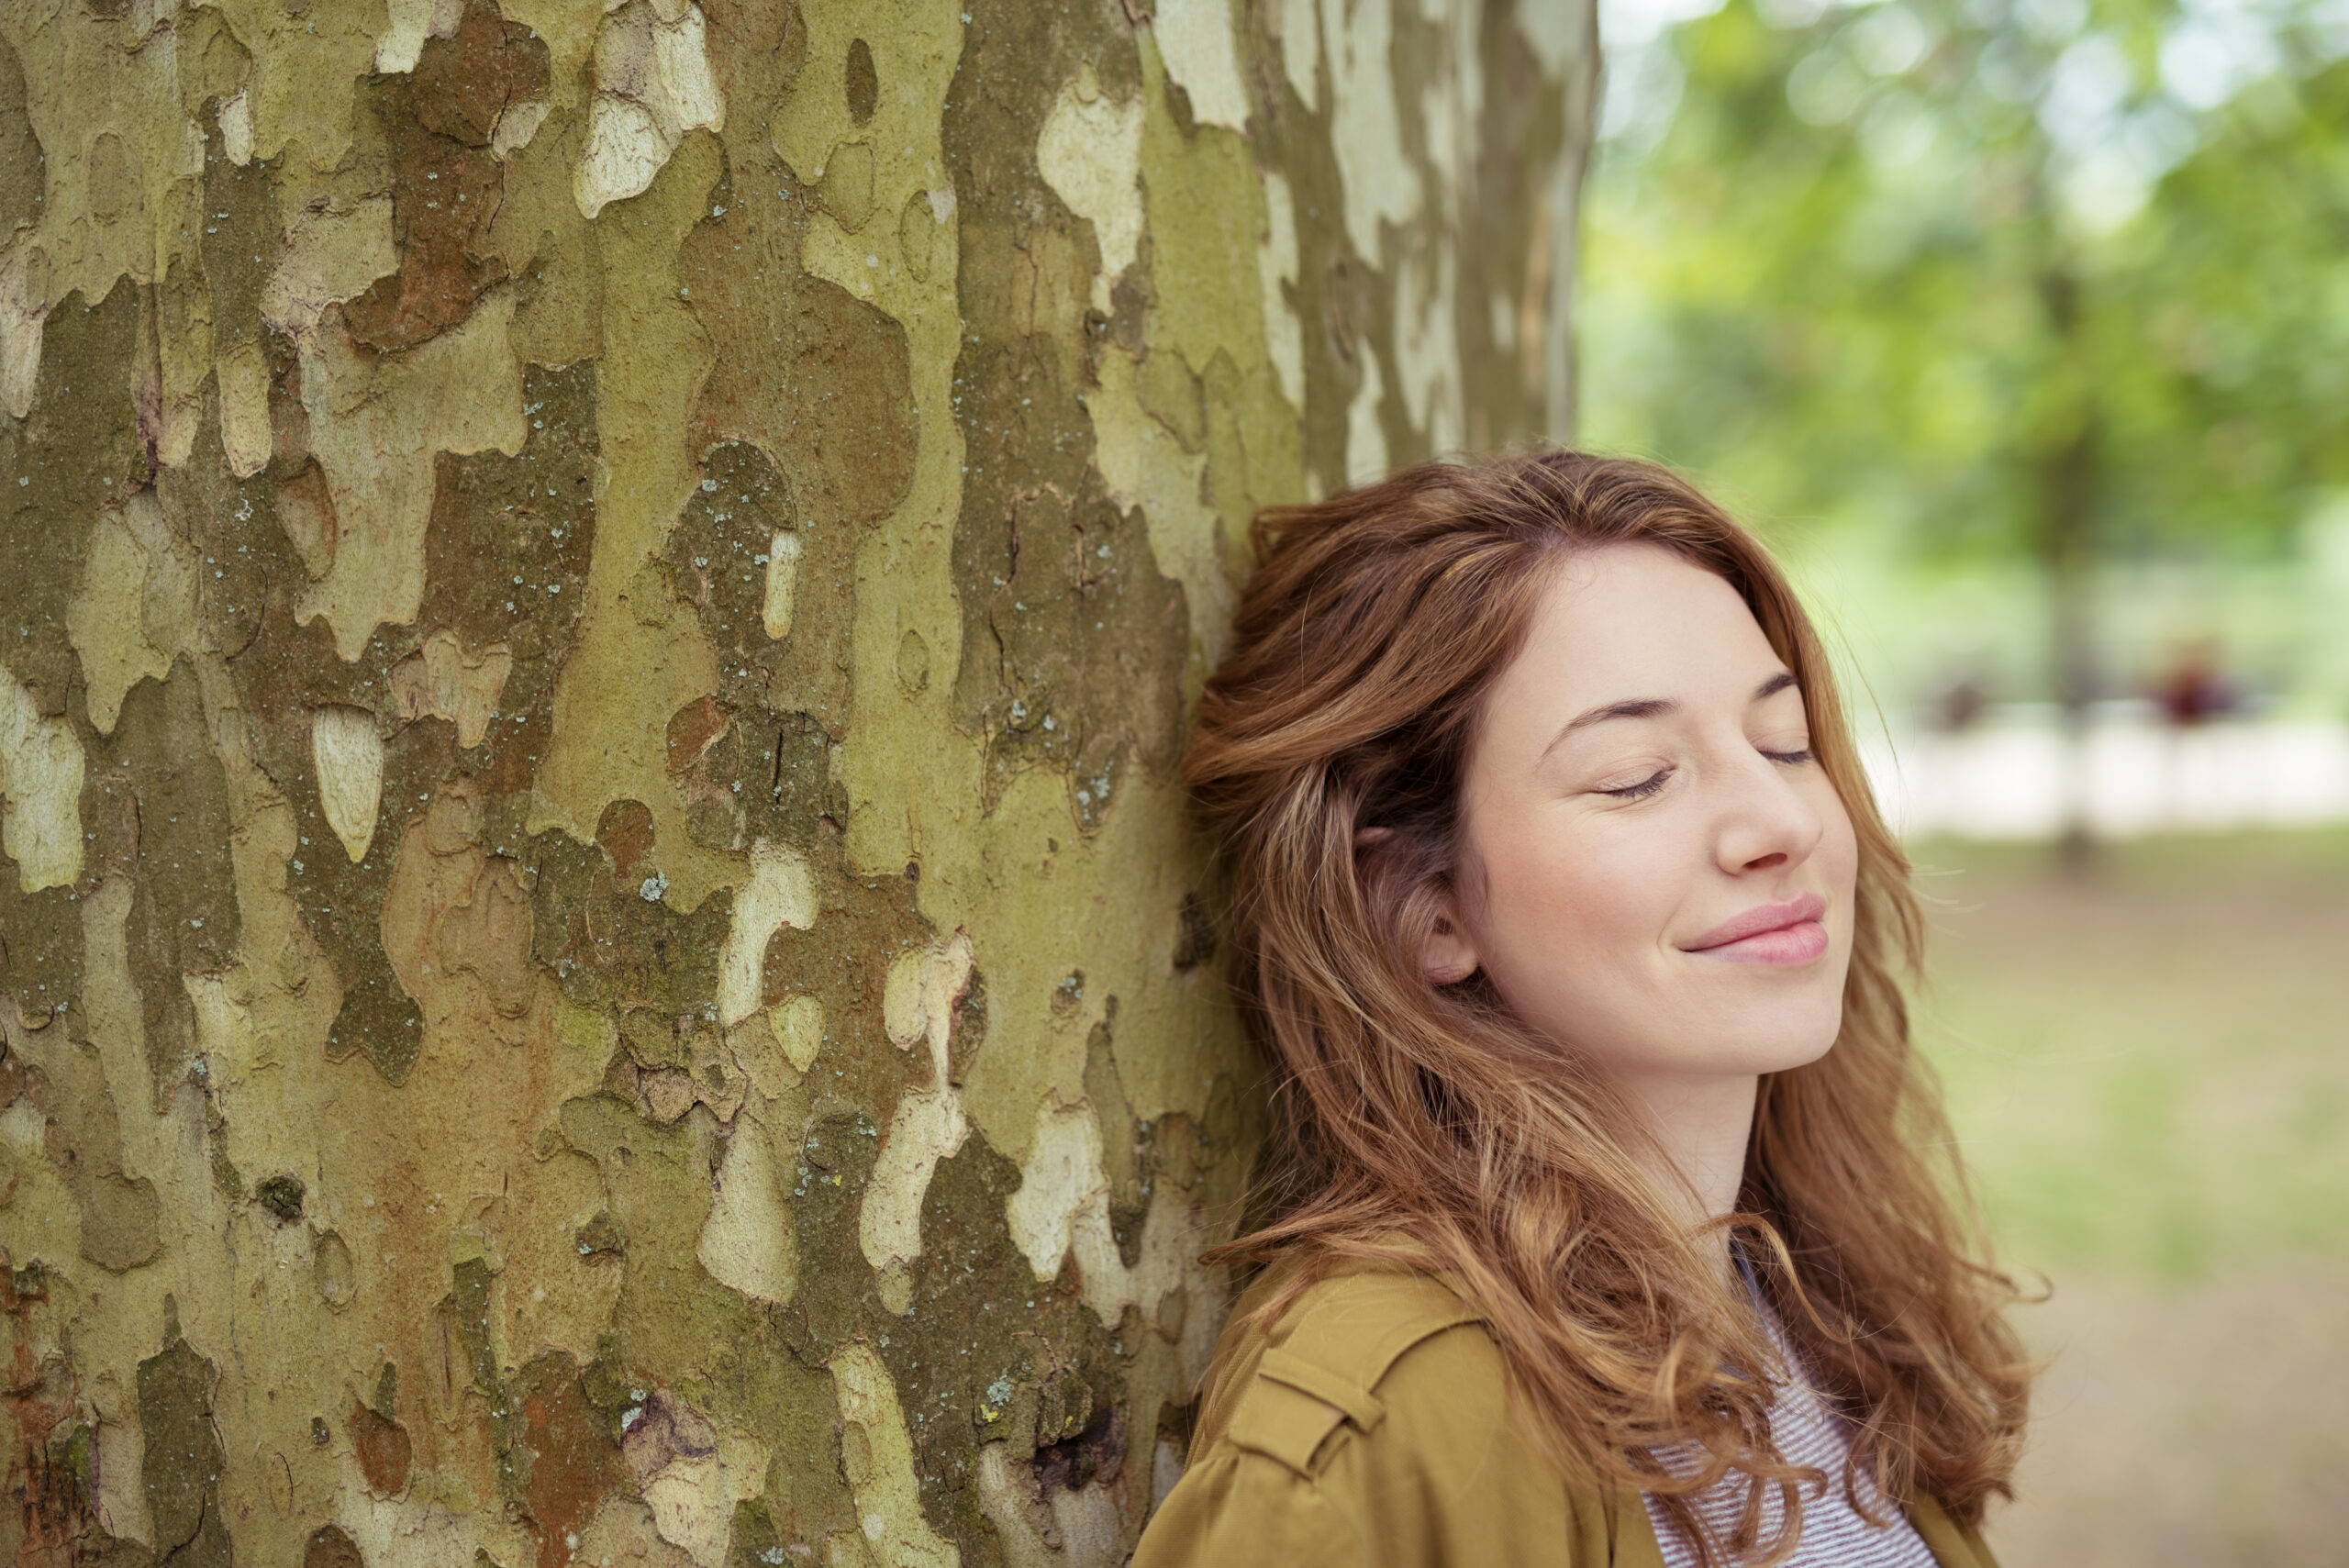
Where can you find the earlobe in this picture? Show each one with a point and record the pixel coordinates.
(1448, 957)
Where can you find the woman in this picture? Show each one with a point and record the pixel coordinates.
(1618, 1222)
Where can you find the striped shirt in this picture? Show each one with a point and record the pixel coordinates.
(1835, 1534)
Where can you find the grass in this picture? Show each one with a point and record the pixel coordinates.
(2148, 1070)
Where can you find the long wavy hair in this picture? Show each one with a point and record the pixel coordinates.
(1425, 1125)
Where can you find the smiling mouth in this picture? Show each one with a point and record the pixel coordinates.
(1781, 934)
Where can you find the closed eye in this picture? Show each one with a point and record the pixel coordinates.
(1792, 759)
(1641, 790)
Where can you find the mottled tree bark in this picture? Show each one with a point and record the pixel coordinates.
(598, 951)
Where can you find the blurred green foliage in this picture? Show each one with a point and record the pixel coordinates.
(2056, 280)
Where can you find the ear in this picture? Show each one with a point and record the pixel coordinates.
(1449, 956)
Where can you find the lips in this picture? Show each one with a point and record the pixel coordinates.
(1784, 933)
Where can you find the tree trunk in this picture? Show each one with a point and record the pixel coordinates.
(2066, 481)
(599, 953)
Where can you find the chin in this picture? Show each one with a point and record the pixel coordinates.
(1787, 1057)
(1780, 1045)
(1801, 1048)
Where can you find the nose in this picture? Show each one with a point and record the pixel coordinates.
(1766, 822)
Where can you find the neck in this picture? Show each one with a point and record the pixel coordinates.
(1701, 1123)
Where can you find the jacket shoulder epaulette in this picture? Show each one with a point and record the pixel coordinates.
(1320, 1372)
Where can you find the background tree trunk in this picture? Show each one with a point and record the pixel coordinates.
(601, 958)
(2067, 479)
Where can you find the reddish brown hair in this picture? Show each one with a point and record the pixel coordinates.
(1424, 1118)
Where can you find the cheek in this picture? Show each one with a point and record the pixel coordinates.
(1837, 855)
(1566, 913)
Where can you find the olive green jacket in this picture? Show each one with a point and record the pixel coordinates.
(1370, 1428)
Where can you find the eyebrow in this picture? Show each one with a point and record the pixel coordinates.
(1653, 707)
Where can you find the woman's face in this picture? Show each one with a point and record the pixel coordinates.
(1657, 873)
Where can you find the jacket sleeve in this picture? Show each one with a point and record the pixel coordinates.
(1238, 1510)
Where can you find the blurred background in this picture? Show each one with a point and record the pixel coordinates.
(2022, 329)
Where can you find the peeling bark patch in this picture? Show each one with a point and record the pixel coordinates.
(1090, 1446)
(40, 792)
(652, 85)
(444, 196)
(754, 758)
(572, 1458)
(223, 541)
(120, 1228)
(780, 893)
(306, 510)
(1062, 1180)
(691, 729)
(242, 218)
(878, 1459)
(246, 436)
(158, 805)
(77, 452)
(625, 833)
(184, 1460)
(784, 551)
(452, 911)
(922, 1005)
(464, 1315)
(108, 618)
(1074, 656)
(347, 751)
(691, 1474)
(446, 680)
(446, 182)
(375, 425)
(384, 1449)
(814, 378)
(798, 1028)
(1074, 641)
(331, 1546)
(343, 902)
(286, 677)
(41, 949)
(507, 555)
(1090, 153)
(1195, 36)
(466, 83)
(863, 81)
(23, 310)
(47, 1447)
(1004, 1358)
(747, 1244)
(928, 1126)
(839, 968)
(20, 149)
(613, 949)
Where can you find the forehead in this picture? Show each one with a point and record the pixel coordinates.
(1630, 621)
